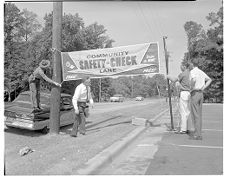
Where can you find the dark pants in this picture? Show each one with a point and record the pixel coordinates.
(80, 120)
(34, 86)
(196, 111)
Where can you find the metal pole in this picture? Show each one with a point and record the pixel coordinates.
(132, 86)
(99, 90)
(169, 90)
(55, 92)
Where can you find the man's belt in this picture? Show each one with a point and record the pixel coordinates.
(82, 104)
(199, 91)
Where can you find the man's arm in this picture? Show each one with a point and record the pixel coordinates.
(208, 81)
(90, 97)
(42, 74)
(75, 100)
(172, 78)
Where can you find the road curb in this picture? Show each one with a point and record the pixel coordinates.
(158, 116)
(107, 155)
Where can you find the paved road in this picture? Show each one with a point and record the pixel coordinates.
(160, 152)
(178, 155)
(107, 107)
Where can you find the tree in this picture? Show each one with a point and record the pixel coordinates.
(213, 64)
(30, 25)
(208, 48)
(12, 54)
(196, 38)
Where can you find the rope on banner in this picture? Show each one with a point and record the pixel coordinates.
(54, 50)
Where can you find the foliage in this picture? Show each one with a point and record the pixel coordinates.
(208, 48)
(26, 44)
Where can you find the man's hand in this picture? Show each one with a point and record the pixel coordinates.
(76, 111)
(57, 84)
(53, 50)
(91, 102)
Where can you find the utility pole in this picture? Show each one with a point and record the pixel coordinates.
(99, 90)
(169, 90)
(57, 73)
(132, 86)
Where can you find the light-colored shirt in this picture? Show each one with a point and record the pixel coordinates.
(199, 78)
(81, 95)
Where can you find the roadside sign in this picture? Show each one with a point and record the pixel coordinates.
(130, 60)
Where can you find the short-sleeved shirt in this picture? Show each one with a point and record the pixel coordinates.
(199, 77)
(184, 79)
(82, 95)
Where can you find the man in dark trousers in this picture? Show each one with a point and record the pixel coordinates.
(199, 82)
(81, 98)
(34, 83)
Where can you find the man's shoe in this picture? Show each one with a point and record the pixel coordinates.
(189, 132)
(194, 137)
(180, 132)
(73, 135)
(36, 110)
(40, 108)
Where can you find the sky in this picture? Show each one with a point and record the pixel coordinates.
(135, 22)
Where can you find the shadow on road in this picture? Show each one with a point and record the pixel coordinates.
(110, 125)
(67, 129)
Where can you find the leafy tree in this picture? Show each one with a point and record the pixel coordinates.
(196, 38)
(26, 45)
(12, 54)
(208, 48)
(30, 25)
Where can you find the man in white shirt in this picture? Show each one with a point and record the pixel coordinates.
(199, 82)
(81, 97)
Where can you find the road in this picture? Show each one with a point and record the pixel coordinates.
(178, 155)
(62, 154)
(161, 152)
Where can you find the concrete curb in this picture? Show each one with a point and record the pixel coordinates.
(158, 116)
(109, 153)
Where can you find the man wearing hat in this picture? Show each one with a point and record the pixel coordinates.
(81, 97)
(34, 83)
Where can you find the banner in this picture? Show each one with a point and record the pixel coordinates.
(130, 60)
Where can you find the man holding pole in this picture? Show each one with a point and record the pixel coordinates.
(184, 99)
(34, 83)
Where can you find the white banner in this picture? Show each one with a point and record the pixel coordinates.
(119, 61)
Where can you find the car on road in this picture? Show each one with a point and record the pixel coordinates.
(139, 98)
(19, 113)
(117, 98)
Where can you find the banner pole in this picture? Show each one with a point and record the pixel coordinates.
(169, 90)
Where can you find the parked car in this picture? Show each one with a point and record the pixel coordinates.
(139, 98)
(117, 98)
(19, 113)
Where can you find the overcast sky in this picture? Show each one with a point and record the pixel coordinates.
(130, 23)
